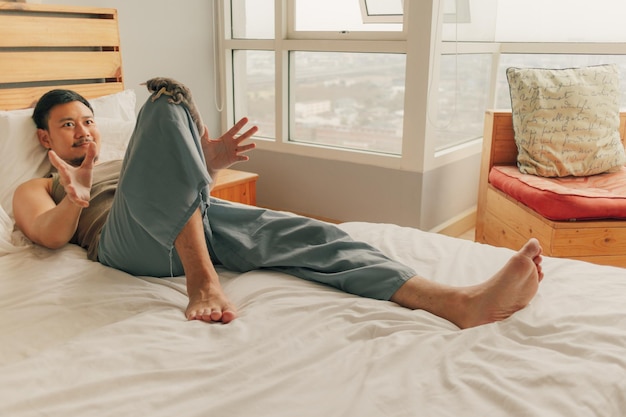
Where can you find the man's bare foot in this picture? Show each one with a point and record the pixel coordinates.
(210, 305)
(207, 300)
(508, 291)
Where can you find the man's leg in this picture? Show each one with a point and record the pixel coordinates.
(162, 183)
(508, 291)
(244, 238)
(206, 299)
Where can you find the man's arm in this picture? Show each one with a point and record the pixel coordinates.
(40, 219)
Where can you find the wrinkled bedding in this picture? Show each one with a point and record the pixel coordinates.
(81, 339)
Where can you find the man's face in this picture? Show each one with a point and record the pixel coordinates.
(70, 127)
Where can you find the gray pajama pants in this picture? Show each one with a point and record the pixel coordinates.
(164, 180)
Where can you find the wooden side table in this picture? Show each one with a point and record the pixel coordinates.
(237, 186)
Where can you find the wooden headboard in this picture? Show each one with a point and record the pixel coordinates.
(44, 47)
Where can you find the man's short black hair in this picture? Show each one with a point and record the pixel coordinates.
(51, 99)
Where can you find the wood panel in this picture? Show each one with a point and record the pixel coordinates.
(29, 31)
(509, 211)
(11, 7)
(233, 185)
(44, 66)
(19, 98)
(46, 46)
(590, 239)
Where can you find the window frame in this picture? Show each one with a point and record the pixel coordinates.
(419, 151)
(377, 18)
(392, 42)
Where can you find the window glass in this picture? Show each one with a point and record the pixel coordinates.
(463, 97)
(534, 20)
(252, 19)
(503, 98)
(349, 100)
(254, 89)
(336, 16)
(382, 8)
(561, 21)
(469, 20)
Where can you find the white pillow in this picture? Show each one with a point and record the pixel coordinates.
(116, 106)
(23, 158)
(114, 137)
(115, 118)
(9, 244)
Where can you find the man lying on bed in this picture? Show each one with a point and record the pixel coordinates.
(151, 215)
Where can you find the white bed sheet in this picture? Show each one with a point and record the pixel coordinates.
(80, 339)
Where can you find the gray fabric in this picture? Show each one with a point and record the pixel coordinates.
(164, 180)
(243, 238)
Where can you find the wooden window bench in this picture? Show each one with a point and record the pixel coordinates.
(503, 221)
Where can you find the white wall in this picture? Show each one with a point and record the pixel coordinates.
(174, 38)
(165, 38)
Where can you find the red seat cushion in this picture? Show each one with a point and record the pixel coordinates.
(601, 196)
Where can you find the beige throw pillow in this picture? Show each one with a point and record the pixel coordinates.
(566, 121)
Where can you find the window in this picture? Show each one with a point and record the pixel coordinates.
(344, 16)
(503, 99)
(565, 33)
(252, 19)
(318, 87)
(254, 89)
(462, 97)
(381, 11)
(561, 21)
(348, 100)
(336, 76)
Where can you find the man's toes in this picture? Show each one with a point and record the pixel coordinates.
(213, 315)
(531, 249)
(228, 316)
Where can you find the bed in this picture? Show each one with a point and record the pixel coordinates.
(81, 339)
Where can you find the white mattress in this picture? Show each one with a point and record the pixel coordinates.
(80, 339)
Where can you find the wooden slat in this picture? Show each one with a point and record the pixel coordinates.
(34, 31)
(47, 46)
(509, 212)
(504, 150)
(47, 8)
(590, 239)
(19, 98)
(42, 66)
(497, 233)
(611, 260)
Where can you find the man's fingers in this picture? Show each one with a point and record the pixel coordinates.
(90, 156)
(54, 158)
(249, 133)
(75, 198)
(246, 148)
(237, 127)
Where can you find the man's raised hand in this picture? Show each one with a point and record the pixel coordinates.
(76, 180)
(227, 149)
